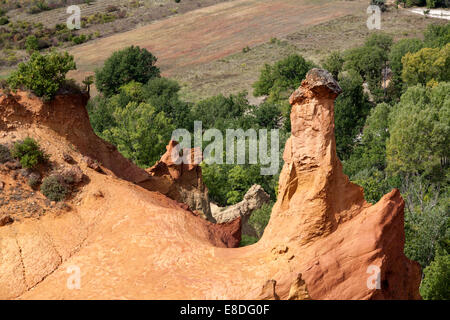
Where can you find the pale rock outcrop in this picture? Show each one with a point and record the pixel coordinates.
(253, 200)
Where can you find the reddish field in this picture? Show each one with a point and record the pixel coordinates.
(214, 32)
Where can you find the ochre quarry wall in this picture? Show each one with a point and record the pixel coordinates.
(132, 243)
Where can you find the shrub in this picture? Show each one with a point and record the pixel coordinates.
(436, 284)
(34, 180)
(130, 64)
(53, 188)
(80, 39)
(3, 21)
(5, 154)
(31, 44)
(43, 74)
(29, 153)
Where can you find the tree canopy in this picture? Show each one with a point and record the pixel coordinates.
(129, 64)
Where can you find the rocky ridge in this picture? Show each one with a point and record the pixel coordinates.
(322, 241)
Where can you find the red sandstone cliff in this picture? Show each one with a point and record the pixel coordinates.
(132, 243)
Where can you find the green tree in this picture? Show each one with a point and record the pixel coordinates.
(267, 115)
(419, 129)
(88, 81)
(351, 110)
(437, 36)
(285, 76)
(428, 64)
(222, 112)
(334, 63)
(398, 50)
(370, 152)
(124, 66)
(426, 218)
(436, 282)
(380, 40)
(101, 111)
(43, 74)
(140, 133)
(369, 61)
(163, 94)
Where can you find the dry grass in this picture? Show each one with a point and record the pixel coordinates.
(214, 32)
(203, 48)
(239, 71)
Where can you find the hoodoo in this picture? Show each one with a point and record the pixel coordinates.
(323, 241)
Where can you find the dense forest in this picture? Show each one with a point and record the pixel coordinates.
(392, 125)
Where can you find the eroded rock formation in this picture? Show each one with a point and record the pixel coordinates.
(131, 243)
(181, 182)
(253, 200)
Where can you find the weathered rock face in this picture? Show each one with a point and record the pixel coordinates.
(34, 244)
(182, 182)
(324, 216)
(253, 200)
(322, 241)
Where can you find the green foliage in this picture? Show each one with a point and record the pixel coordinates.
(3, 21)
(140, 132)
(101, 114)
(222, 112)
(379, 40)
(428, 64)
(247, 240)
(260, 218)
(286, 75)
(370, 152)
(419, 129)
(267, 115)
(334, 63)
(436, 283)
(163, 94)
(5, 154)
(426, 218)
(88, 81)
(379, 3)
(398, 50)
(375, 183)
(369, 61)
(130, 64)
(437, 36)
(351, 110)
(53, 188)
(31, 44)
(410, 3)
(29, 153)
(43, 74)
(227, 184)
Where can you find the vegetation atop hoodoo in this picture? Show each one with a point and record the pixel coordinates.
(43, 74)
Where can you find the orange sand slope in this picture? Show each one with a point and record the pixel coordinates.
(130, 243)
